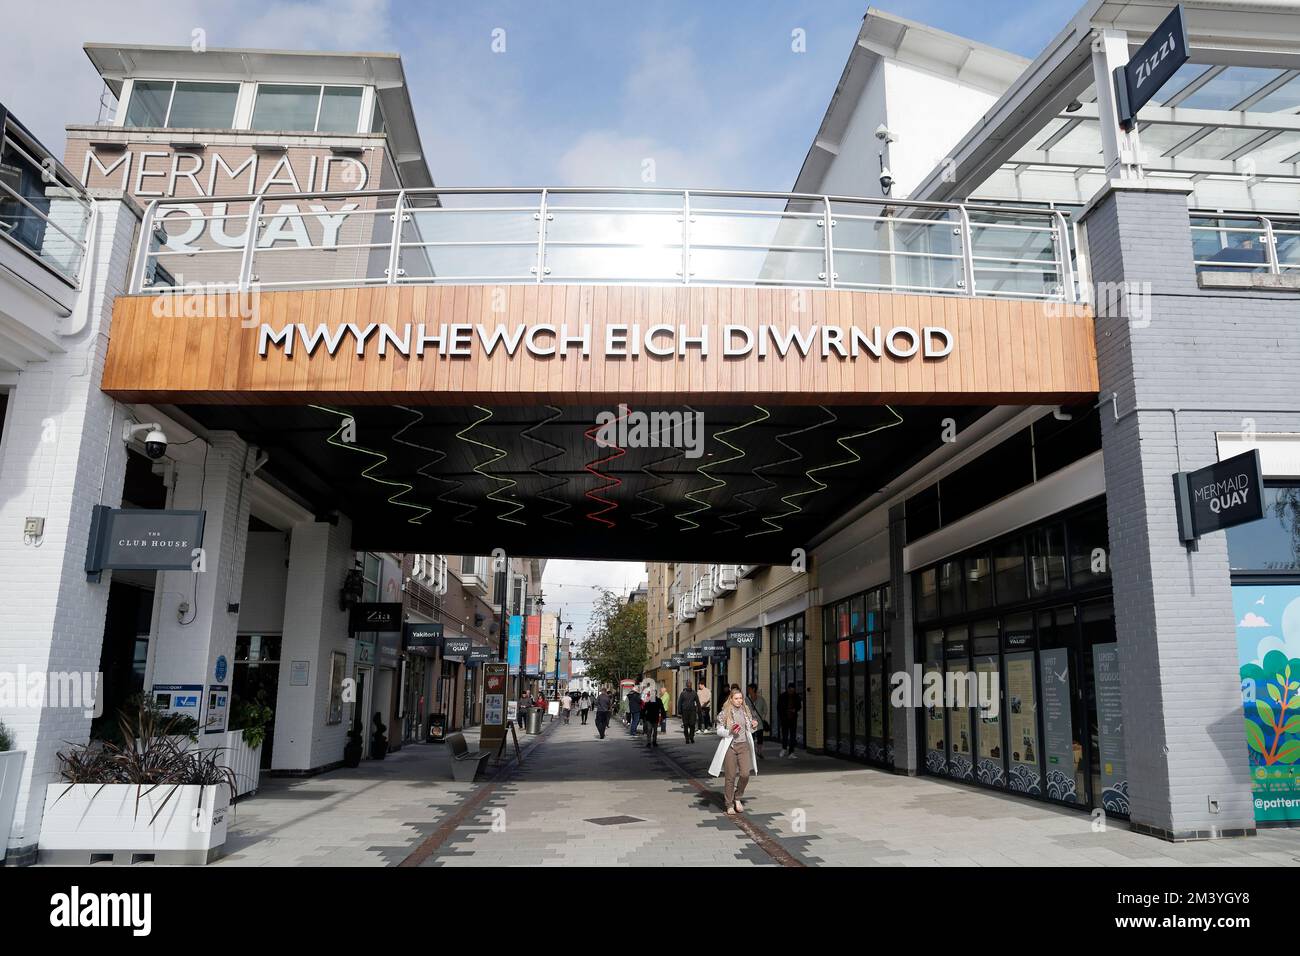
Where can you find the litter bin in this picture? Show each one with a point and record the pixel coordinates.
(535, 720)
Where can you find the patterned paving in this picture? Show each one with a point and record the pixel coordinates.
(578, 800)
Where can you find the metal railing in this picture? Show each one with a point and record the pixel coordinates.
(1245, 241)
(44, 212)
(468, 236)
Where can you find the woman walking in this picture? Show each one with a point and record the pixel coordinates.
(734, 758)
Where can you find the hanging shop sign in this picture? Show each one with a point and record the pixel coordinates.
(388, 649)
(144, 539)
(1147, 70)
(747, 637)
(457, 647)
(1220, 496)
(218, 709)
(374, 616)
(696, 654)
(423, 636)
(479, 653)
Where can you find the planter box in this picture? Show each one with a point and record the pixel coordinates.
(245, 761)
(11, 774)
(86, 823)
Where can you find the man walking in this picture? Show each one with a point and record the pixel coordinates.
(603, 705)
(566, 706)
(688, 708)
(788, 705)
(633, 710)
(703, 694)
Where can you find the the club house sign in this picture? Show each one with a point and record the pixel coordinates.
(144, 539)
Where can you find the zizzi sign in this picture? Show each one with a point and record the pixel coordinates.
(1222, 495)
(144, 539)
(1153, 63)
(375, 617)
(543, 340)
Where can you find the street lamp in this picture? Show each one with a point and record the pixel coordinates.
(540, 603)
(568, 636)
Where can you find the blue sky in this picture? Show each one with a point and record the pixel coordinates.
(584, 92)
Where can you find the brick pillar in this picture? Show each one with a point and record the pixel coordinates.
(211, 477)
(62, 454)
(1173, 606)
(320, 556)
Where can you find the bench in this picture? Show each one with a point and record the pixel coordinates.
(466, 764)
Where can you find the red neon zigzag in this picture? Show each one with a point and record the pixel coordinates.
(611, 482)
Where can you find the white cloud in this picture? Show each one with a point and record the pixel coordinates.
(1252, 620)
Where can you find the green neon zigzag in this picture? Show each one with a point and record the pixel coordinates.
(366, 473)
(508, 483)
(821, 485)
(720, 483)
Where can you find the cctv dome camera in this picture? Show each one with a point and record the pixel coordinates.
(155, 444)
(886, 180)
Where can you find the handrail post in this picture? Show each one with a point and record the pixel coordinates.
(686, 236)
(829, 246)
(1270, 243)
(543, 215)
(1068, 291)
(395, 243)
(967, 251)
(136, 285)
(250, 244)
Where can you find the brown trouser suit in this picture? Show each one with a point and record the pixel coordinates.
(735, 764)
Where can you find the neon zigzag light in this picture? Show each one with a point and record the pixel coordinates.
(442, 456)
(719, 482)
(798, 456)
(662, 482)
(821, 485)
(366, 472)
(733, 523)
(562, 480)
(507, 483)
(611, 481)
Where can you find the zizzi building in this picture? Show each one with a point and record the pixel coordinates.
(1002, 390)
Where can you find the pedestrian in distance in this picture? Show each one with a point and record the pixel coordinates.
(788, 705)
(704, 697)
(566, 706)
(584, 705)
(652, 714)
(666, 700)
(603, 706)
(735, 758)
(688, 708)
(759, 706)
(633, 711)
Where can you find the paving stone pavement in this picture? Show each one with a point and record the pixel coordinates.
(555, 809)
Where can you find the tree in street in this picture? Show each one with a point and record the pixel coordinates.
(615, 646)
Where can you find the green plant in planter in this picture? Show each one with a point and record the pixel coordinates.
(151, 757)
(6, 739)
(254, 718)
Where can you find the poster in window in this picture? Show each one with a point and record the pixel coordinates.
(1110, 728)
(1022, 725)
(960, 764)
(876, 733)
(338, 665)
(832, 718)
(1268, 651)
(1058, 730)
(988, 725)
(859, 711)
(936, 758)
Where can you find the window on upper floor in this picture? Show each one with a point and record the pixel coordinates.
(323, 109)
(180, 104)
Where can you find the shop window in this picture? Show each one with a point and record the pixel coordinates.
(978, 578)
(1271, 544)
(1009, 570)
(1062, 725)
(950, 588)
(1024, 772)
(936, 749)
(927, 594)
(857, 616)
(1048, 562)
(1089, 549)
(957, 674)
(990, 765)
